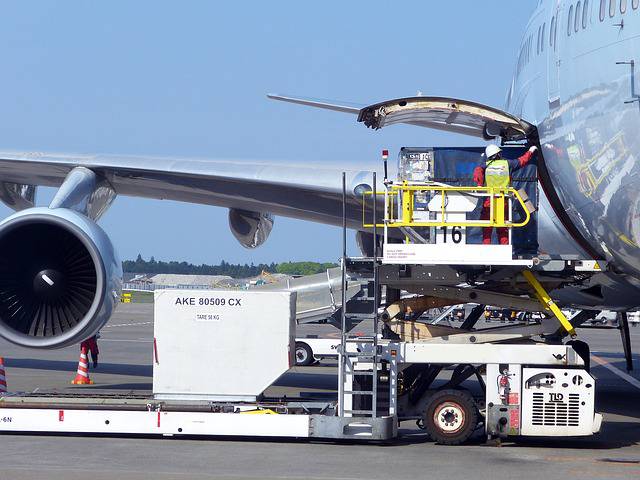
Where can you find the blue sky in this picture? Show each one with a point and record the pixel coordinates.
(188, 79)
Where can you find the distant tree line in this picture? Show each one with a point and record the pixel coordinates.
(235, 270)
(303, 268)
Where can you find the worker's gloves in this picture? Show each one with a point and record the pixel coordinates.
(533, 149)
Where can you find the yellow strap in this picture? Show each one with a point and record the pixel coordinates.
(548, 303)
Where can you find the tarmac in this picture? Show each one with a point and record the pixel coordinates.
(126, 366)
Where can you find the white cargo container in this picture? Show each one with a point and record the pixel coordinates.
(221, 345)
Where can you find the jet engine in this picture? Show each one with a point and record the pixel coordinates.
(251, 229)
(60, 278)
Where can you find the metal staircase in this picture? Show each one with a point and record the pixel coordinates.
(359, 359)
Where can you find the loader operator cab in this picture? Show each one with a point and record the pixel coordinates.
(447, 174)
(435, 203)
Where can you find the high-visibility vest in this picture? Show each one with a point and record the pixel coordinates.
(496, 173)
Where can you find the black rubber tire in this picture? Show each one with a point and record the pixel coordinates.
(304, 355)
(450, 401)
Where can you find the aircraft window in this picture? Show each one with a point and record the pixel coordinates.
(576, 25)
(635, 4)
(552, 30)
(623, 6)
(585, 14)
(570, 21)
(542, 35)
(612, 8)
(603, 9)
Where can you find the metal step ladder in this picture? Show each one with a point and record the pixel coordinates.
(359, 379)
(358, 356)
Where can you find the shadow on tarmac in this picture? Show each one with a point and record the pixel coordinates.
(146, 387)
(612, 436)
(306, 380)
(64, 366)
(635, 356)
(618, 402)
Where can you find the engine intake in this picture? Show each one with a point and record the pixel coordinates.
(60, 278)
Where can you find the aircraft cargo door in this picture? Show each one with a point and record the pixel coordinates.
(553, 57)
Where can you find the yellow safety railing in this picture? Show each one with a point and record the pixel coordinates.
(402, 198)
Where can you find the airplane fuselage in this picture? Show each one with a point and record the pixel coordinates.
(574, 79)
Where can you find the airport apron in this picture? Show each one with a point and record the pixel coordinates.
(496, 174)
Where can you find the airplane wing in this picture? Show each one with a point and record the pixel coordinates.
(302, 192)
(345, 107)
(440, 113)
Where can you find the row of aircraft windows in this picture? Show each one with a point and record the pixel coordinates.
(525, 54)
(582, 12)
(613, 6)
(577, 18)
(581, 18)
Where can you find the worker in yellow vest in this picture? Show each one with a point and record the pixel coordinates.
(496, 172)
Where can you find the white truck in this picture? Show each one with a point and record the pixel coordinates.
(310, 350)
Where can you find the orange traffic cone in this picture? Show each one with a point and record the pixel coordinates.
(82, 376)
(3, 378)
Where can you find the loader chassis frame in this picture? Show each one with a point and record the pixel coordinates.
(282, 418)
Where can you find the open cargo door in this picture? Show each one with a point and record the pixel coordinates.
(449, 114)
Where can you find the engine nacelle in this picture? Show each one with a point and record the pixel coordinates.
(251, 229)
(60, 278)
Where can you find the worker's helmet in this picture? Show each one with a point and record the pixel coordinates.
(491, 151)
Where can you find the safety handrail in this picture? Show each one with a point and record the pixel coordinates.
(404, 195)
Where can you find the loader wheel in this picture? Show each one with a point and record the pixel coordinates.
(450, 417)
(304, 354)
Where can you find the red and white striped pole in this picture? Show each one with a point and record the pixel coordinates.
(82, 376)
(3, 377)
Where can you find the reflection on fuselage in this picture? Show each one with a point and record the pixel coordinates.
(575, 88)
